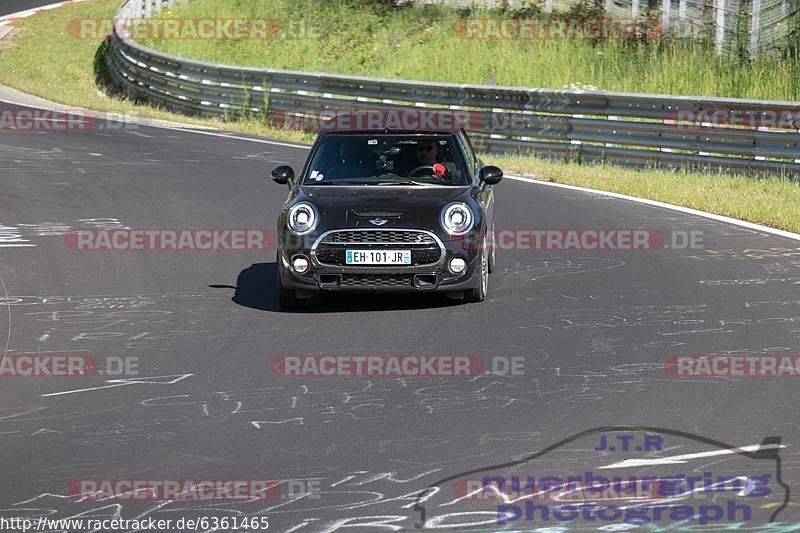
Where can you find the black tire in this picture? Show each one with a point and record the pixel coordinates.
(478, 294)
(287, 298)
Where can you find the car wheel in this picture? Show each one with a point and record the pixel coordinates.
(478, 294)
(287, 298)
(492, 260)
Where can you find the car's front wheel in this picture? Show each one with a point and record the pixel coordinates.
(287, 298)
(478, 294)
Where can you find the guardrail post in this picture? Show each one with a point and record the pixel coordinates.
(719, 34)
(548, 6)
(635, 9)
(682, 18)
(755, 29)
(666, 7)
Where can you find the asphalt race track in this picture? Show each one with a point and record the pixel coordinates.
(15, 6)
(594, 329)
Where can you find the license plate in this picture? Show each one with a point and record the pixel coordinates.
(378, 257)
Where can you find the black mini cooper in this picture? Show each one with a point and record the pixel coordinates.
(387, 211)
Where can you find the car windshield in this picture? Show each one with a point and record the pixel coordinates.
(385, 160)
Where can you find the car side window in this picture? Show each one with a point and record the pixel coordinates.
(467, 146)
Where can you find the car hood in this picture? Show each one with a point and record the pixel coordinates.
(399, 207)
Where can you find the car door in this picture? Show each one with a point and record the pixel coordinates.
(485, 194)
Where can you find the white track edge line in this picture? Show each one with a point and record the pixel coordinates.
(189, 128)
(12, 17)
(226, 136)
(673, 207)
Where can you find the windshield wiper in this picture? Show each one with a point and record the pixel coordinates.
(365, 182)
(404, 182)
(335, 182)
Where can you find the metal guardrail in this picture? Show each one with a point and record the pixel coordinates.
(579, 125)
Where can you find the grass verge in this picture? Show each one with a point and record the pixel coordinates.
(46, 61)
(371, 38)
(43, 59)
(770, 201)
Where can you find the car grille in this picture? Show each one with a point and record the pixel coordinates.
(419, 256)
(377, 280)
(379, 237)
(424, 248)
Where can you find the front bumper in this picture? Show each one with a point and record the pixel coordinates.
(428, 272)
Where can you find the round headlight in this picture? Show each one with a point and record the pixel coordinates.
(302, 218)
(457, 218)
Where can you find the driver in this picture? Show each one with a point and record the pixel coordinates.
(427, 153)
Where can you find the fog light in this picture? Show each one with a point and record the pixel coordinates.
(457, 265)
(300, 264)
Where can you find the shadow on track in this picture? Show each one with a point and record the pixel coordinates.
(256, 288)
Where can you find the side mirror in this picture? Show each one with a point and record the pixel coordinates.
(490, 175)
(282, 174)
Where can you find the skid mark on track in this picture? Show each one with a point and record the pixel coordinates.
(114, 383)
(8, 316)
(138, 322)
(17, 235)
